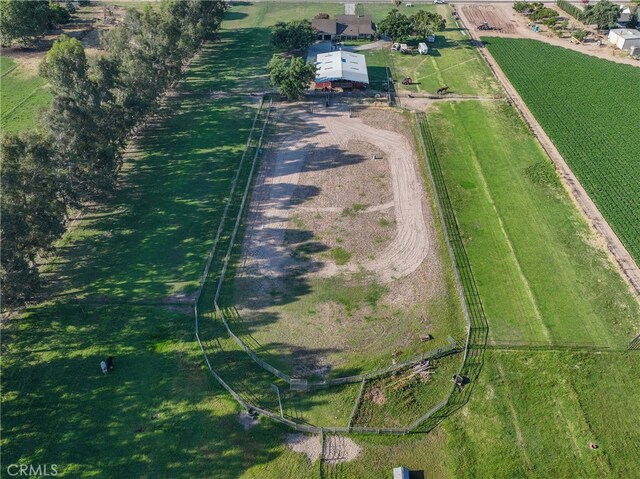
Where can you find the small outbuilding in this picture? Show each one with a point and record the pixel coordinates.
(624, 38)
(341, 69)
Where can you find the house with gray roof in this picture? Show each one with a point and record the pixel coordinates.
(344, 27)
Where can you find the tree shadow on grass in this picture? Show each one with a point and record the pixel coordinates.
(158, 414)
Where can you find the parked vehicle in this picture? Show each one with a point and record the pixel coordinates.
(423, 49)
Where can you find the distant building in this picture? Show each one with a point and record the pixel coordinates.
(625, 16)
(344, 27)
(624, 38)
(341, 69)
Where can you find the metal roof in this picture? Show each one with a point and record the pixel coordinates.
(348, 25)
(340, 65)
(626, 33)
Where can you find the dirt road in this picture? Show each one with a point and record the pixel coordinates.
(619, 253)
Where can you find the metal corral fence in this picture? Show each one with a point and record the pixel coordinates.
(477, 332)
(473, 313)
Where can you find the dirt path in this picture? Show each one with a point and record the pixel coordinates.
(621, 256)
(333, 128)
(514, 25)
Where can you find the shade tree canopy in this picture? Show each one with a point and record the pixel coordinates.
(401, 27)
(296, 35)
(292, 76)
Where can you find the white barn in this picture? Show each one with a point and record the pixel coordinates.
(341, 67)
(624, 38)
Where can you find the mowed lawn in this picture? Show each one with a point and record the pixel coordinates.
(541, 272)
(576, 98)
(22, 95)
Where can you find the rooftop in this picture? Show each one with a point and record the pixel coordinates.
(348, 25)
(626, 33)
(340, 65)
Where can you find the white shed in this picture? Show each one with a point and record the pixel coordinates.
(624, 38)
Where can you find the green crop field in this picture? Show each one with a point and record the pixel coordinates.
(576, 98)
(23, 95)
(545, 284)
(531, 252)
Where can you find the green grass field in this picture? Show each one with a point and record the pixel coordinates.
(452, 61)
(575, 97)
(539, 275)
(23, 95)
(160, 414)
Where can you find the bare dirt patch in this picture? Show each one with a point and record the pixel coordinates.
(376, 396)
(340, 260)
(310, 446)
(478, 14)
(337, 449)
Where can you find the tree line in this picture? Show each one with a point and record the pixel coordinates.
(74, 154)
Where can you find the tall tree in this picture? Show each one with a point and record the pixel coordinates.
(396, 25)
(427, 23)
(291, 76)
(33, 210)
(23, 21)
(604, 14)
(87, 143)
(296, 35)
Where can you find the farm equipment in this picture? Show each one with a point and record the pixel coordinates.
(407, 81)
(486, 27)
(400, 47)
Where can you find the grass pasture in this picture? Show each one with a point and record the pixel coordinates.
(576, 97)
(536, 414)
(22, 94)
(540, 271)
(160, 414)
(452, 60)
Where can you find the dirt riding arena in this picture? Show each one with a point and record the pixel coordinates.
(339, 206)
(476, 15)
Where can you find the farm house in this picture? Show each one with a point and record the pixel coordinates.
(341, 69)
(625, 38)
(344, 27)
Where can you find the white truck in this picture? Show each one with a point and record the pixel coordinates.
(423, 49)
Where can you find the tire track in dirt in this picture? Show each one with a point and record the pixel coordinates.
(334, 129)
